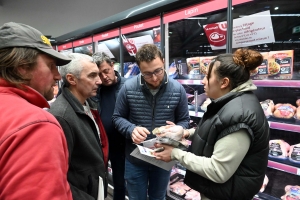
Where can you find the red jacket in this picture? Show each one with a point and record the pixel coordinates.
(33, 148)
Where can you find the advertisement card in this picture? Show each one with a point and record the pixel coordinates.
(247, 31)
(280, 65)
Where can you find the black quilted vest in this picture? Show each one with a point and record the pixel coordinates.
(226, 115)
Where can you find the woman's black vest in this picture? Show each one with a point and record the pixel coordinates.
(226, 115)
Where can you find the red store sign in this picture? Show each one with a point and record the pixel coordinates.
(82, 42)
(106, 35)
(141, 25)
(199, 9)
(65, 46)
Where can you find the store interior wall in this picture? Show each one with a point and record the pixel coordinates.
(57, 17)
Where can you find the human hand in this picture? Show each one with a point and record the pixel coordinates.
(164, 155)
(139, 134)
(174, 132)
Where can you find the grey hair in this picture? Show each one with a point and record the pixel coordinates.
(74, 67)
(100, 57)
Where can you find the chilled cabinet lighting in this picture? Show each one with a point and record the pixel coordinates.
(197, 18)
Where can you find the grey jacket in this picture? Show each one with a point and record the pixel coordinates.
(86, 161)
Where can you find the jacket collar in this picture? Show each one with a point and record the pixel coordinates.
(74, 102)
(28, 93)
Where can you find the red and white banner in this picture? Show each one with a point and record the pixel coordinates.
(141, 25)
(247, 31)
(106, 35)
(65, 46)
(200, 9)
(81, 42)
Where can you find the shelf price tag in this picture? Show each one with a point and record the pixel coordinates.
(298, 171)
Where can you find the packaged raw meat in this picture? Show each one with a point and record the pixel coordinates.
(278, 149)
(285, 111)
(192, 195)
(292, 192)
(265, 183)
(268, 107)
(179, 188)
(294, 154)
(297, 114)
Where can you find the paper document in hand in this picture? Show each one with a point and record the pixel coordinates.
(145, 151)
(100, 189)
(152, 160)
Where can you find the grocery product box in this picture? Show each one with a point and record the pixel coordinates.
(204, 63)
(280, 65)
(193, 64)
(261, 72)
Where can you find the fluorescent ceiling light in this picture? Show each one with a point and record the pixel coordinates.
(276, 8)
(144, 7)
(273, 15)
(197, 18)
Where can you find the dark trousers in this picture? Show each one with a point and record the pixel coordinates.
(117, 161)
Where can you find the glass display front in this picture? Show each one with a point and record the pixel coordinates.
(112, 49)
(85, 49)
(131, 43)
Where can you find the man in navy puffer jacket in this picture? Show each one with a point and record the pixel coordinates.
(145, 102)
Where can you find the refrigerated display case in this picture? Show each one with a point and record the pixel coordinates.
(84, 46)
(65, 48)
(269, 27)
(109, 43)
(133, 37)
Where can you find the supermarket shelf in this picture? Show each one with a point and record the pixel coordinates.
(284, 167)
(284, 126)
(196, 114)
(259, 83)
(273, 125)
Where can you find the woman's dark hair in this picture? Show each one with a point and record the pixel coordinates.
(237, 66)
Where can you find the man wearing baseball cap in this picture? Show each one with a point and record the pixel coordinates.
(33, 149)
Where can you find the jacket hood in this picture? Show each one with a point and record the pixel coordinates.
(245, 87)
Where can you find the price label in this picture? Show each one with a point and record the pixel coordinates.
(298, 171)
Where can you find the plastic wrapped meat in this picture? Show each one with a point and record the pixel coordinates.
(278, 149)
(292, 192)
(179, 188)
(268, 107)
(285, 111)
(192, 195)
(265, 183)
(294, 154)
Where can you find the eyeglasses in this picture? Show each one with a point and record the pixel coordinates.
(156, 72)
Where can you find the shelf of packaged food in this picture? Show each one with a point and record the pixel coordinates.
(259, 83)
(284, 167)
(284, 126)
(273, 125)
(196, 114)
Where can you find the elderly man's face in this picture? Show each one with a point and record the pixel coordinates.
(89, 80)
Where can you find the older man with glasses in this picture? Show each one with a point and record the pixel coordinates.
(145, 102)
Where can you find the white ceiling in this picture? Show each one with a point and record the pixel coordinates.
(58, 17)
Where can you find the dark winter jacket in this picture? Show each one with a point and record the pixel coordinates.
(228, 114)
(88, 155)
(105, 99)
(136, 106)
